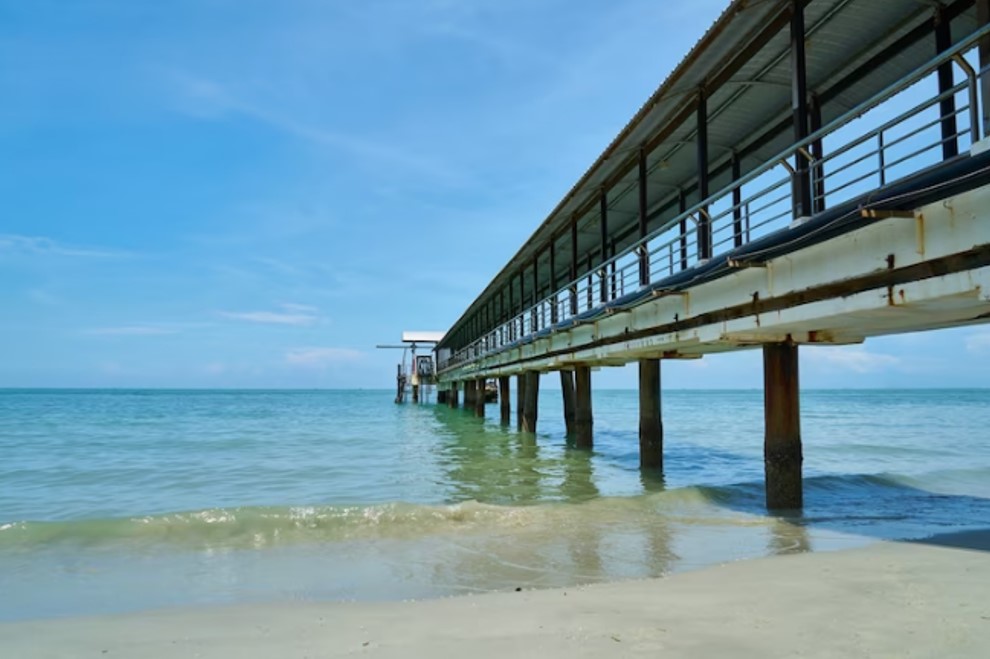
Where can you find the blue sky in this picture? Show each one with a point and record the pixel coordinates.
(244, 193)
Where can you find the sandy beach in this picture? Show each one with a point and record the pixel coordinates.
(886, 600)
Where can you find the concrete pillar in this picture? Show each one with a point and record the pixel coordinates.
(583, 418)
(415, 389)
(452, 399)
(567, 392)
(469, 395)
(503, 399)
(650, 421)
(520, 400)
(531, 402)
(782, 442)
(479, 398)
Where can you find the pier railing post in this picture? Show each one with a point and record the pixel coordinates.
(583, 418)
(650, 422)
(782, 443)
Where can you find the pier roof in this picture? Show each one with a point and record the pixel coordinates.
(740, 70)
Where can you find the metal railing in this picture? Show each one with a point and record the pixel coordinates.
(762, 202)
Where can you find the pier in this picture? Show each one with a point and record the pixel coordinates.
(812, 173)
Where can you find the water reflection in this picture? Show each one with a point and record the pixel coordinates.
(485, 462)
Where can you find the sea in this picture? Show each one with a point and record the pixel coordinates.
(117, 501)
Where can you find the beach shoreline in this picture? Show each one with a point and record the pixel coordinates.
(924, 598)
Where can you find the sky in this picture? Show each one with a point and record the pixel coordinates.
(247, 193)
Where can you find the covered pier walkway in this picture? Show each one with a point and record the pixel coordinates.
(813, 172)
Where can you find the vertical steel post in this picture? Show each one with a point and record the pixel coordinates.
(782, 442)
(583, 416)
(799, 106)
(682, 205)
(817, 152)
(704, 222)
(512, 312)
(553, 281)
(644, 253)
(737, 222)
(982, 18)
(946, 80)
(603, 221)
(574, 266)
(534, 318)
(522, 302)
(650, 422)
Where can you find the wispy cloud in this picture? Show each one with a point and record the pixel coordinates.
(314, 357)
(299, 315)
(852, 358)
(131, 330)
(15, 244)
(205, 98)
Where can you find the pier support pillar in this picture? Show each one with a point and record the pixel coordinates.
(520, 400)
(415, 389)
(650, 421)
(441, 397)
(782, 442)
(532, 399)
(503, 400)
(583, 419)
(479, 398)
(469, 395)
(452, 396)
(567, 392)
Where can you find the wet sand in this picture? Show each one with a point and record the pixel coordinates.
(888, 599)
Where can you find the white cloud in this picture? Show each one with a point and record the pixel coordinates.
(298, 315)
(852, 358)
(132, 330)
(322, 357)
(14, 244)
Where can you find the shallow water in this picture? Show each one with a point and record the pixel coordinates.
(126, 500)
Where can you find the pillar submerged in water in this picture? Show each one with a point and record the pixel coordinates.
(531, 402)
(520, 400)
(479, 397)
(782, 453)
(650, 421)
(452, 396)
(567, 393)
(583, 418)
(503, 400)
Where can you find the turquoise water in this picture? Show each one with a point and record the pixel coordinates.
(126, 500)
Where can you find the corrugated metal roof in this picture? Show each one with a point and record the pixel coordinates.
(855, 48)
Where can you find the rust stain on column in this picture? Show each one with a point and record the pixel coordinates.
(782, 443)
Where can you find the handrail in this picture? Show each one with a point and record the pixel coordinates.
(573, 289)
